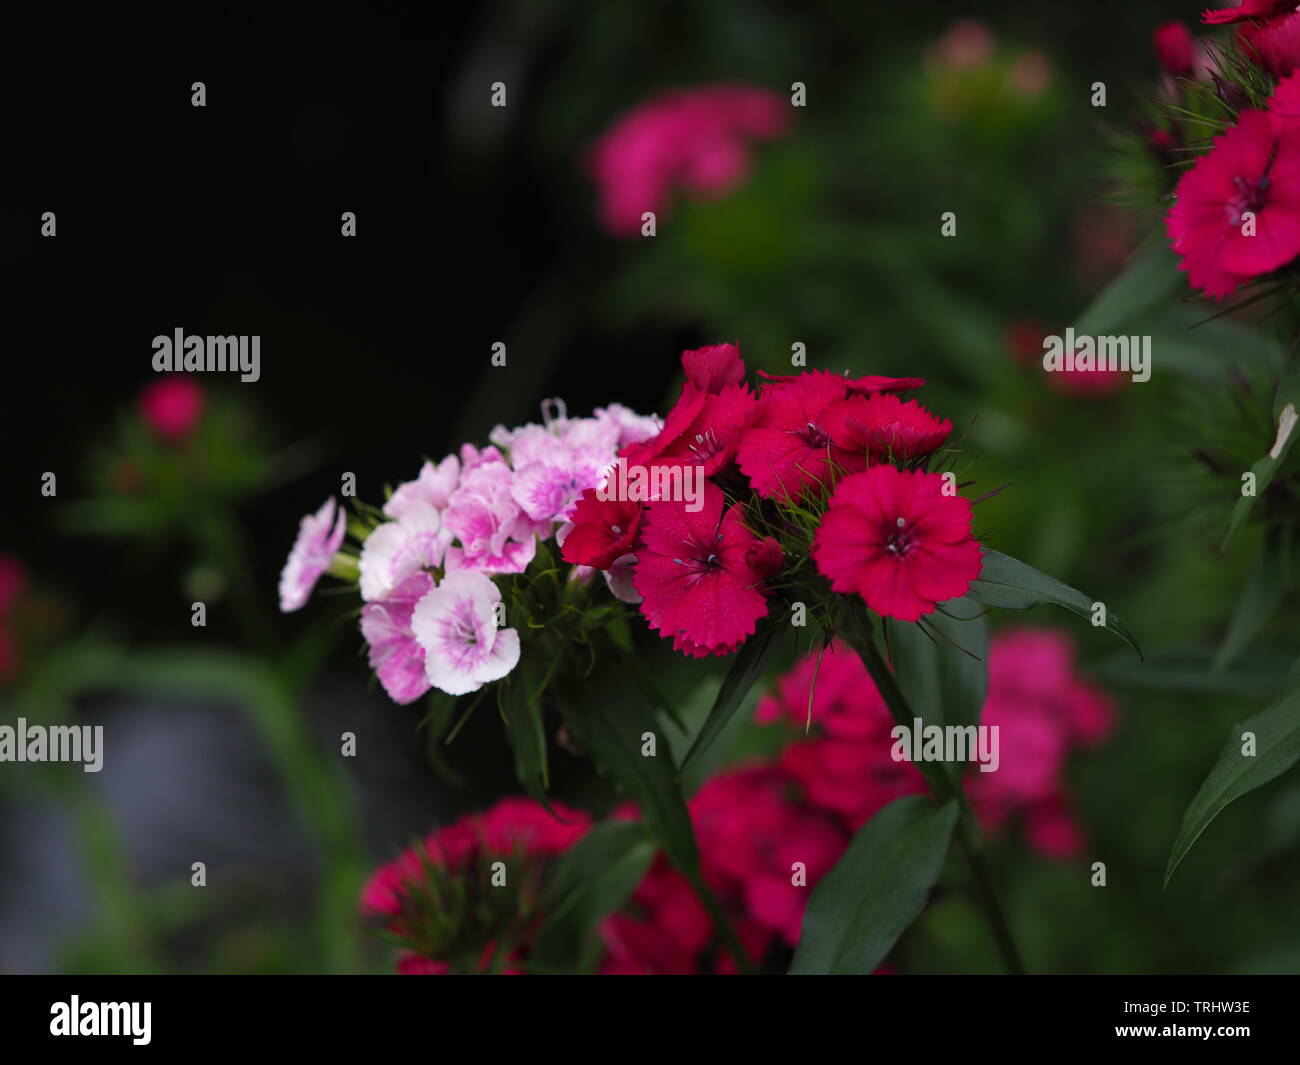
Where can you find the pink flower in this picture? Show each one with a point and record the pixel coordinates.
(694, 576)
(885, 427)
(898, 541)
(547, 488)
(851, 778)
(319, 537)
(752, 835)
(1174, 48)
(696, 140)
(631, 427)
(172, 407)
(704, 428)
(846, 703)
(13, 582)
(788, 451)
(1245, 10)
(456, 625)
(432, 488)
(494, 533)
(395, 654)
(603, 531)
(396, 549)
(1254, 167)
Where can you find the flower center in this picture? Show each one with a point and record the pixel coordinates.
(901, 540)
(813, 435)
(702, 557)
(1251, 196)
(706, 445)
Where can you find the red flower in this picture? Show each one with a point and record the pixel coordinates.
(893, 537)
(1174, 48)
(885, 426)
(789, 450)
(1247, 9)
(1274, 45)
(603, 530)
(714, 367)
(1253, 167)
(695, 578)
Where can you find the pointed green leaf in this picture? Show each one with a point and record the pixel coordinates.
(1011, 584)
(1277, 747)
(1268, 582)
(876, 890)
(1150, 278)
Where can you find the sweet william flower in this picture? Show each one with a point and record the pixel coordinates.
(713, 367)
(896, 540)
(395, 655)
(788, 451)
(455, 624)
(603, 531)
(885, 427)
(1254, 167)
(494, 533)
(695, 577)
(319, 537)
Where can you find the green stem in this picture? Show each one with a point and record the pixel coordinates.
(944, 785)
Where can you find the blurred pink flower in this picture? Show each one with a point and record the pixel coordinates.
(319, 537)
(172, 407)
(696, 140)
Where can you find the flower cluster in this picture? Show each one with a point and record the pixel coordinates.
(433, 613)
(696, 519)
(1237, 213)
(1043, 710)
(438, 899)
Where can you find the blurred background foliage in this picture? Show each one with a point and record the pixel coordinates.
(477, 225)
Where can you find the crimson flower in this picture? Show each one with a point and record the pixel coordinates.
(714, 367)
(603, 530)
(897, 540)
(1248, 9)
(1252, 168)
(695, 575)
(1174, 48)
(885, 426)
(789, 450)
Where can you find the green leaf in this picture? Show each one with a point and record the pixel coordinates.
(588, 882)
(943, 674)
(526, 731)
(1009, 583)
(1258, 673)
(876, 890)
(1260, 597)
(1277, 747)
(1149, 279)
(610, 724)
(746, 668)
